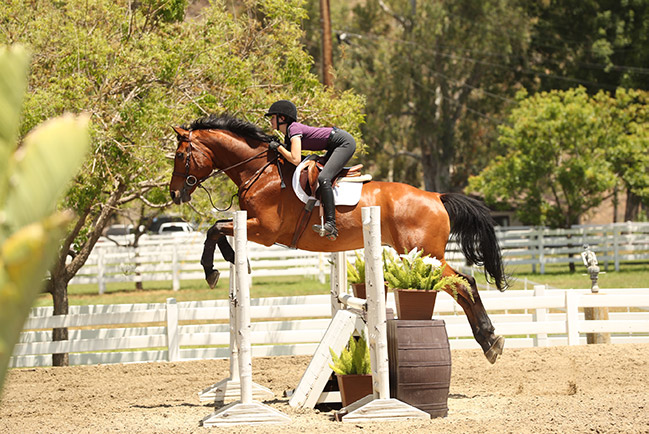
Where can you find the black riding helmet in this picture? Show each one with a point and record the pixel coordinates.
(285, 108)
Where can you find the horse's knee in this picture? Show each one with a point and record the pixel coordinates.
(226, 249)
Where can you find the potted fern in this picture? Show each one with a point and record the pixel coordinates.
(353, 370)
(416, 278)
(356, 276)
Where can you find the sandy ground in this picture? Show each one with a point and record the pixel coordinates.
(596, 388)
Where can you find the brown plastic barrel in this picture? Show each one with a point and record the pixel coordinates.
(420, 364)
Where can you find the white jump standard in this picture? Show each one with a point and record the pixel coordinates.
(379, 405)
(246, 411)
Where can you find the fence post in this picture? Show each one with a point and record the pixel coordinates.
(100, 271)
(541, 250)
(540, 315)
(616, 248)
(175, 269)
(572, 317)
(173, 354)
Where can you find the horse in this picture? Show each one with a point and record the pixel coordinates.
(410, 217)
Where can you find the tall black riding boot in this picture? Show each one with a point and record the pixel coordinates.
(327, 197)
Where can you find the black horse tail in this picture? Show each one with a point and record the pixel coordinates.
(473, 227)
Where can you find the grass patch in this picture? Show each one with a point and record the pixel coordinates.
(190, 290)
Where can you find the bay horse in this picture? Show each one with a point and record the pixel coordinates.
(410, 217)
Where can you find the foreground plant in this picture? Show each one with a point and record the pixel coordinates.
(33, 176)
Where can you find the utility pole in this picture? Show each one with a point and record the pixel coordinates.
(327, 53)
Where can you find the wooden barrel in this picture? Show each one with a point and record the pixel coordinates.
(420, 364)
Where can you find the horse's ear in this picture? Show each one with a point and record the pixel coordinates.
(181, 132)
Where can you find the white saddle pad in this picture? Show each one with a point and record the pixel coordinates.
(345, 193)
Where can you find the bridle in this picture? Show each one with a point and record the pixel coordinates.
(191, 180)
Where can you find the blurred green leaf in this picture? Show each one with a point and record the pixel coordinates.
(42, 168)
(13, 81)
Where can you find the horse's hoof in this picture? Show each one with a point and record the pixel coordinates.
(495, 350)
(213, 278)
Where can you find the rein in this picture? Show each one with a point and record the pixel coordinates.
(191, 180)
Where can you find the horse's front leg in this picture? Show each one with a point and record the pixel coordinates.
(216, 235)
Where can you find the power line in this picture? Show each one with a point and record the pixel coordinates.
(524, 70)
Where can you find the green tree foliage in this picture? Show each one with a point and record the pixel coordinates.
(629, 156)
(435, 75)
(564, 152)
(137, 68)
(599, 44)
(33, 178)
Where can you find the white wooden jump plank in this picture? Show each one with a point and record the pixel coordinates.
(315, 377)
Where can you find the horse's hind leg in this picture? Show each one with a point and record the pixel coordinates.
(483, 330)
(216, 235)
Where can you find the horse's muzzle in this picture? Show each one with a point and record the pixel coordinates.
(179, 197)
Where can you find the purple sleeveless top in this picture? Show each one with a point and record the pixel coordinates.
(313, 138)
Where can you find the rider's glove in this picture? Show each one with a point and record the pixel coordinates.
(273, 145)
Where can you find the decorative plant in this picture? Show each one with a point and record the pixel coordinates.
(356, 271)
(415, 270)
(354, 360)
(33, 176)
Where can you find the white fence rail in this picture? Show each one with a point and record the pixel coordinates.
(177, 258)
(295, 325)
(613, 243)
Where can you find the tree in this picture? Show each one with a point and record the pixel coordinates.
(138, 68)
(599, 44)
(34, 176)
(628, 154)
(426, 67)
(555, 164)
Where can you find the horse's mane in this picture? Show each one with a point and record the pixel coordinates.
(232, 124)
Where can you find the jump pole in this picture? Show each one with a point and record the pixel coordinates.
(246, 411)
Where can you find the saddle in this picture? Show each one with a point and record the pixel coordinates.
(308, 179)
(313, 167)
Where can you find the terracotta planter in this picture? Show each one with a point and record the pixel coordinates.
(359, 290)
(354, 387)
(414, 304)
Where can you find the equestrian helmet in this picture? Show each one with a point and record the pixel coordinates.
(285, 108)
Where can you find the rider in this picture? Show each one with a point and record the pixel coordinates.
(338, 144)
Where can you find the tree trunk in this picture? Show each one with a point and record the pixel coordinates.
(437, 173)
(58, 287)
(62, 272)
(632, 206)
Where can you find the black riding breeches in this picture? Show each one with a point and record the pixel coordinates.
(341, 149)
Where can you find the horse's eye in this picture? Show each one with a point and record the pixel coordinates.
(179, 155)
